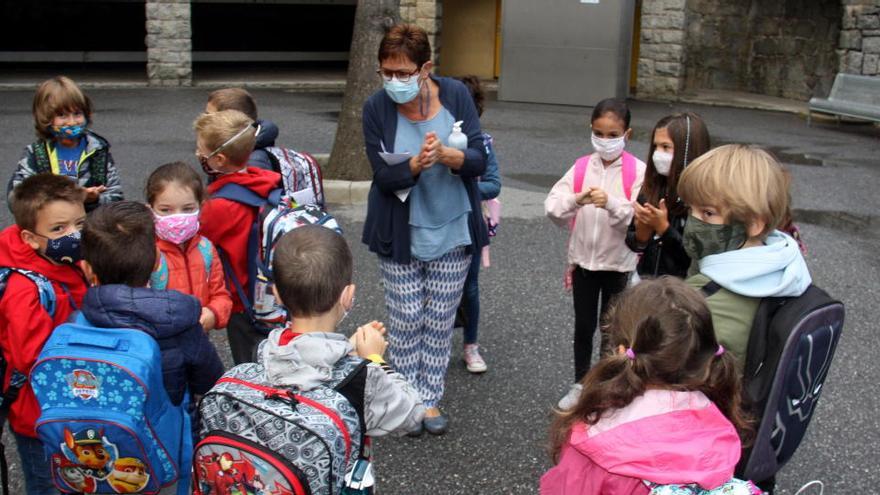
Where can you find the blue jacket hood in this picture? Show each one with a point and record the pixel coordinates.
(268, 134)
(162, 314)
(776, 269)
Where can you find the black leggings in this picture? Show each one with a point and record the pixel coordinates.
(587, 288)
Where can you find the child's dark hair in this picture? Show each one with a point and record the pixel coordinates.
(178, 172)
(311, 267)
(37, 191)
(614, 106)
(668, 326)
(689, 134)
(476, 88)
(234, 99)
(119, 243)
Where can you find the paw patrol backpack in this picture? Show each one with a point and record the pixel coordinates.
(106, 421)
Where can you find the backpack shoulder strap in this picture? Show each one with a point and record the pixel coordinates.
(353, 388)
(240, 194)
(628, 173)
(580, 170)
(159, 277)
(44, 286)
(204, 247)
(710, 289)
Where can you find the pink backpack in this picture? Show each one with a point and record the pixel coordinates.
(580, 170)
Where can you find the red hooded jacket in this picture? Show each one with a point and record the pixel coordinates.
(24, 324)
(228, 223)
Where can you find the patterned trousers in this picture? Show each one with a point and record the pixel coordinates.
(421, 298)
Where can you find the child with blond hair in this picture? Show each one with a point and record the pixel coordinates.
(738, 198)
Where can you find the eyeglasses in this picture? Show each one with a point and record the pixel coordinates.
(203, 159)
(402, 76)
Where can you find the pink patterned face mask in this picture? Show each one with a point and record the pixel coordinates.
(177, 228)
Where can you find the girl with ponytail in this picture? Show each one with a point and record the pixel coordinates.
(664, 408)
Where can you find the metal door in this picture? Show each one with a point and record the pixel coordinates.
(573, 52)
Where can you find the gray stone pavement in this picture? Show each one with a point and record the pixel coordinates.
(499, 420)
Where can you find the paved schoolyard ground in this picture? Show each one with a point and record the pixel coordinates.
(499, 420)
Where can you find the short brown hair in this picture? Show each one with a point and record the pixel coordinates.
(406, 40)
(234, 99)
(37, 191)
(178, 172)
(215, 129)
(745, 182)
(119, 242)
(56, 95)
(312, 266)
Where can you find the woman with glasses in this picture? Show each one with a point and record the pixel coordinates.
(423, 213)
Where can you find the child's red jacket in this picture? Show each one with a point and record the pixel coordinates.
(24, 324)
(228, 223)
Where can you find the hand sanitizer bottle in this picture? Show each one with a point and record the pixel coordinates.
(458, 139)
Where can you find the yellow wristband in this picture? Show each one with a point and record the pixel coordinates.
(376, 358)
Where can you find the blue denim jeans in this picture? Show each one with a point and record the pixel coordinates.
(471, 300)
(35, 466)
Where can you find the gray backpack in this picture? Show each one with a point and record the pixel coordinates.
(257, 438)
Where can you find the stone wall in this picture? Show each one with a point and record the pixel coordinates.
(781, 48)
(427, 14)
(860, 38)
(662, 48)
(169, 42)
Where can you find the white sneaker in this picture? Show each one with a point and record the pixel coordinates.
(473, 360)
(571, 398)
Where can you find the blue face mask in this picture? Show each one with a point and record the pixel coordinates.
(402, 92)
(68, 131)
(65, 249)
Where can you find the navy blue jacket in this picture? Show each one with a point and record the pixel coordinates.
(260, 157)
(386, 228)
(189, 360)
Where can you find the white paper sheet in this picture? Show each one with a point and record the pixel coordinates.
(393, 160)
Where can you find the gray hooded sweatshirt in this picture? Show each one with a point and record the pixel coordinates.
(391, 404)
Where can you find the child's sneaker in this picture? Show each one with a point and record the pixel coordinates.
(473, 360)
(571, 398)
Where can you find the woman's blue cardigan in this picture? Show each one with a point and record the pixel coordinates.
(386, 229)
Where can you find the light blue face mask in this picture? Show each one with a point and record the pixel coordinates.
(402, 92)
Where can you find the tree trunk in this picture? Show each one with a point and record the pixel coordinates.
(348, 160)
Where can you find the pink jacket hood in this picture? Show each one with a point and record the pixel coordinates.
(663, 436)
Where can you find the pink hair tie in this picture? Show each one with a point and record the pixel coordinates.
(630, 353)
(720, 350)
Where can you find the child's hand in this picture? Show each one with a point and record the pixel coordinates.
(369, 341)
(207, 319)
(93, 193)
(657, 217)
(599, 197)
(583, 198)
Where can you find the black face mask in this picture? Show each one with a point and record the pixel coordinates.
(65, 249)
(203, 161)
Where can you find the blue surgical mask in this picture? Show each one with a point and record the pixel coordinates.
(402, 92)
(68, 131)
(65, 249)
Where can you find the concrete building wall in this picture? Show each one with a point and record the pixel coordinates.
(428, 15)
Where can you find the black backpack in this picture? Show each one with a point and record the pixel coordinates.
(791, 345)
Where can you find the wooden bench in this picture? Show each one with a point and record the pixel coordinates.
(851, 96)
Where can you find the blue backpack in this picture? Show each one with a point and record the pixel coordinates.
(106, 421)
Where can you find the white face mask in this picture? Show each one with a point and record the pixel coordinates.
(662, 162)
(610, 148)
